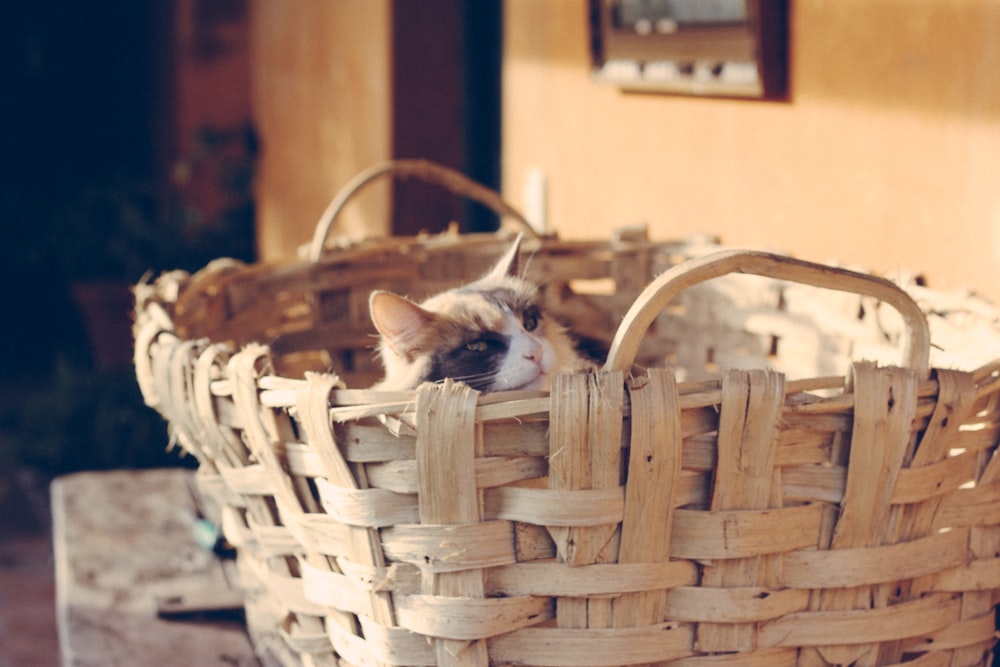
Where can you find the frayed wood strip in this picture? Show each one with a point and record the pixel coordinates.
(446, 414)
(145, 336)
(705, 393)
(293, 644)
(470, 618)
(733, 605)
(553, 507)
(979, 575)
(570, 463)
(214, 493)
(934, 480)
(980, 437)
(654, 467)
(268, 541)
(321, 534)
(701, 535)
(745, 479)
(495, 471)
(748, 429)
(513, 409)
(585, 443)
(862, 627)
(451, 547)
(179, 402)
(491, 471)
(250, 480)
(286, 590)
(382, 645)
(350, 404)
(600, 579)
(370, 508)
(593, 647)
(516, 438)
(813, 483)
(398, 577)
(209, 407)
(370, 442)
(355, 412)
(328, 588)
(934, 454)
(585, 452)
(448, 442)
(863, 566)
(768, 657)
(400, 474)
(244, 368)
(977, 633)
(362, 540)
(885, 403)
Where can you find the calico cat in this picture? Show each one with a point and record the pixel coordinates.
(490, 334)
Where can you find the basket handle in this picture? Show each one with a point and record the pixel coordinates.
(672, 282)
(431, 172)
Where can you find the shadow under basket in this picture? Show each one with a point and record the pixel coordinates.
(730, 489)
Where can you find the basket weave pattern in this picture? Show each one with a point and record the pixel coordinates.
(748, 520)
(775, 515)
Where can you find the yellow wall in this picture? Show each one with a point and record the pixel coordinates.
(886, 156)
(322, 106)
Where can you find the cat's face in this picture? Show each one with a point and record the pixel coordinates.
(489, 334)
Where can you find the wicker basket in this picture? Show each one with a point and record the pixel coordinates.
(781, 505)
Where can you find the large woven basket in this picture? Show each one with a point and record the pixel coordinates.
(766, 494)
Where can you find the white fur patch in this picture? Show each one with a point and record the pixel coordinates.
(529, 360)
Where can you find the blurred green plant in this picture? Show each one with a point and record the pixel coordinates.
(80, 418)
(119, 227)
(61, 409)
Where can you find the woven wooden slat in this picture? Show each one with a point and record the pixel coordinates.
(585, 448)
(451, 547)
(553, 579)
(261, 435)
(654, 466)
(446, 470)
(883, 413)
(744, 480)
(854, 568)
(593, 646)
(772, 491)
(361, 539)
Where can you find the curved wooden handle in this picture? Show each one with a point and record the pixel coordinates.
(448, 178)
(672, 282)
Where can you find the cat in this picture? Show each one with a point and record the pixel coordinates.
(490, 334)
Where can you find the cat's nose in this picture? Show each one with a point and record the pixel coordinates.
(534, 352)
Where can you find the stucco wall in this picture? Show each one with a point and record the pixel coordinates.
(887, 154)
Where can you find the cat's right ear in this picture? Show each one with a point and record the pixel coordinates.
(507, 266)
(398, 320)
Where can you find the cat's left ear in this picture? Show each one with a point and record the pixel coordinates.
(507, 266)
(400, 321)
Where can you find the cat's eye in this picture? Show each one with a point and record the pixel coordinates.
(530, 321)
(479, 345)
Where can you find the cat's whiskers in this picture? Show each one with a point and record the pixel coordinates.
(479, 381)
